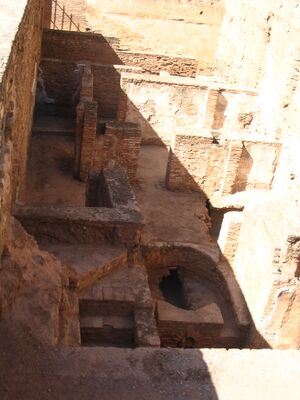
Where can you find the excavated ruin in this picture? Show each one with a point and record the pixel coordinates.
(150, 182)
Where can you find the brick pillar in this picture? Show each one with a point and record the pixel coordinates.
(47, 14)
(78, 137)
(88, 139)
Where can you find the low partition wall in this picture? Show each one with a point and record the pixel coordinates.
(120, 221)
(80, 225)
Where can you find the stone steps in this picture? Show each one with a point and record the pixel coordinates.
(89, 263)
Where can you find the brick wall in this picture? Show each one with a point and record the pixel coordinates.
(119, 145)
(106, 90)
(61, 82)
(19, 58)
(62, 79)
(122, 143)
(154, 63)
(48, 14)
(79, 46)
(101, 143)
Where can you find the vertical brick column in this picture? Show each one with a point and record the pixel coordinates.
(88, 139)
(231, 166)
(86, 97)
(78, 137)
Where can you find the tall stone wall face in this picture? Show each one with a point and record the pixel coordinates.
(17, 94)
(257, 47)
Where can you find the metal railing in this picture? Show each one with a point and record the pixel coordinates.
(61, 20)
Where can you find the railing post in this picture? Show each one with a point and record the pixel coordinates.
(55, 11)
(56, 24)
(63, 18)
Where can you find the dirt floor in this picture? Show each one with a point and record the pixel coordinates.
(170, 216)
(50, 177)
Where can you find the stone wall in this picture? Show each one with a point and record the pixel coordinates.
(19, 58)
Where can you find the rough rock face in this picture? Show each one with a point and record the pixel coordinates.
(257, 47)
(32, 285)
